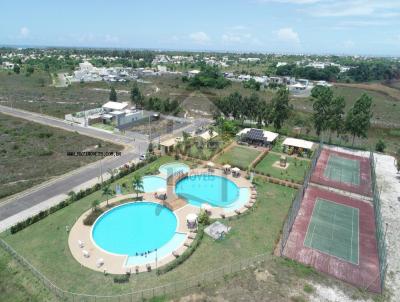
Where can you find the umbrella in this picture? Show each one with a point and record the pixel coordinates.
(227, 166)
(162, 190)
(236, 169)
(191, 217)
(210, 164)
(206, 207)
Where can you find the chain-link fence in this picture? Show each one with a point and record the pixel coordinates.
(296, 204)
(170, 289)
(380, 230)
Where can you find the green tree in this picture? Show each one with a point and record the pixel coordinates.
(358, 119)
(336, 115)
(113, 94)
(30, 70)
(95, 204)
(280, 108)
(322, 106)
(136, 96)
(17, 69)
(380, 146)
(107, 192)
(137, 184)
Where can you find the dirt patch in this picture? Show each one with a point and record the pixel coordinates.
(377, 87)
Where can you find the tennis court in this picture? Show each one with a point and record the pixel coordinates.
(343, 169)
(333, 230)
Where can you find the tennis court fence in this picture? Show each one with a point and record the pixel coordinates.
(296, 204)
(380, 229)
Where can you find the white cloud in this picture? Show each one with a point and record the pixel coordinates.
(199, 37)
(24, 31)
(111, 39)
(288, 35)
(352, 8)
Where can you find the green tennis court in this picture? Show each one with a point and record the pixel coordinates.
(343, 170)
(333, 230)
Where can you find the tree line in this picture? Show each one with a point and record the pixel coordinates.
(328, 111)
(151, 103)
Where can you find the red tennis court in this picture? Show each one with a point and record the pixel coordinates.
(343, 171)
(365, 274)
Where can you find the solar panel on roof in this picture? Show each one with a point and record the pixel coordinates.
(255, 134)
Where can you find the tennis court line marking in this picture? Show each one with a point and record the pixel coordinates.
(324, 252)
(332, 170)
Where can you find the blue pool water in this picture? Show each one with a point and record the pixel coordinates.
(212, 189)
(171, 168)
(153, 183)
(135, 228)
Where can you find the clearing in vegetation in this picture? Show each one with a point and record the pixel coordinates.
(239, 156)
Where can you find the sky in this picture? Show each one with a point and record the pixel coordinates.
(362, 27)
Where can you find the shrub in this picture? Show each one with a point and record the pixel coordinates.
(92, 216)
(121, 278)
(380, 146)
(204, 218)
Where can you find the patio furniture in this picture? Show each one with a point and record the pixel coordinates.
(191, 221)
(235, 172)
(100, 262)
(210, 166)
(227, 169)
(207, 208)
(81, 243)
(85, 254)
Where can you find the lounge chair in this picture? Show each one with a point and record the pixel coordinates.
(100, 262)
(148, 267)
(237, 212)
(248, 206)
(85, 254)
(81, 243)
(175, 253)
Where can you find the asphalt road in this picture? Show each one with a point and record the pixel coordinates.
(134, 146)
(65, 183)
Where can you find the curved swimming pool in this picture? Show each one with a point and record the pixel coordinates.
(215, 190)
(174, 167)
(135, 228)
(153, 183)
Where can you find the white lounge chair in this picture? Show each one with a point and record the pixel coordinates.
(85, 254)
(100, 262)
(81, 243)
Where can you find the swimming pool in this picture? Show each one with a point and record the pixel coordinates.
(171, 168)
(215, 190)
(153, 183)
(137, 228)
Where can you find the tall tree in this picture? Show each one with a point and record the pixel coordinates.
(107, 192)
(322, 107)
(358, 119)
(136, 95)
(336, 115)
(113, 94)
(280, 107)
(137, 184)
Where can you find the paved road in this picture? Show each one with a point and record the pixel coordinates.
(59, 123)
(65, 183)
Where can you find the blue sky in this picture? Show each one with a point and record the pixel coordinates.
(288, 26)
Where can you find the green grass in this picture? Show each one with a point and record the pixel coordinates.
(19, 284)
(251, 234)
(104, 126)
(33, 153)
(239, 156)
(296, 170)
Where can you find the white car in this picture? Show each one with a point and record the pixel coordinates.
(142, 157)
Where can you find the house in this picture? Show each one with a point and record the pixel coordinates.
(167, 146)
(114, 106)
(297, 146)
(193, 73)
(206, 136)
(257, 137)
(8, 65)
(297, 88)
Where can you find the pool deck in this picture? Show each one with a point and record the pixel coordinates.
(115, 264)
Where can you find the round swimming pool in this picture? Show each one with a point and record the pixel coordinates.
(153, 183)
(204, 188)
(171, 168)
(134, 228)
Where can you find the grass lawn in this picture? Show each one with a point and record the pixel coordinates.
(239, 156)
(19, 284)
(104, 126)
(251, 234)
(32, 153)
(295, 171)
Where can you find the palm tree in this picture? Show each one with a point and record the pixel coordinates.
(95, 204)
(137, 184)
(106, 192)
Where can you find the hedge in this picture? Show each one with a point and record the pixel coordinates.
(77, 196)
(186, 254)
